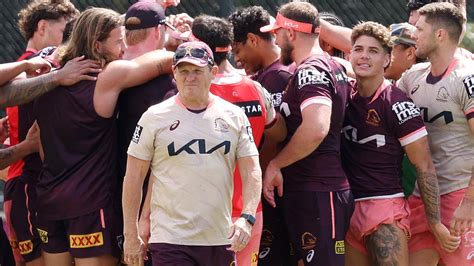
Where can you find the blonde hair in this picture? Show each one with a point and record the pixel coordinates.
(93, 25)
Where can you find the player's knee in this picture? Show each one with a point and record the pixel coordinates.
(384, 245)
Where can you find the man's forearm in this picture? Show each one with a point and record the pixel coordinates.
(21, 91)
(9, 71)
(428, 183)
(131, 197)
(251, 183)
(13, 154)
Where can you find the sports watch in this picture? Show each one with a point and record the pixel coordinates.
(250, 218)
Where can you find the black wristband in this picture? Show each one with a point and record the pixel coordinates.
(250, 218)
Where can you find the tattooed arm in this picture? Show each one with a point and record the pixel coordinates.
(17, 152)
(419, 154)
(463, 217)
(22, 91)
(33, 66)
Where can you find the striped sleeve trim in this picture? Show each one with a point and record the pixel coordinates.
(315, 100)
(413, 136)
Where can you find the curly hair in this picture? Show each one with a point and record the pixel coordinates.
(375, 30)
(250, 20)
(215, 32)
(446, 16)
(37, 10)
(93, 25)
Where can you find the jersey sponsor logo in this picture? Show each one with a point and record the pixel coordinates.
(173, 126)
(339, 247)
(26, 247)
(221, 125)
(415, 89)
(405, 111)
(250, 108)
(442, 95)
(350, 133)
(276, 98)
(189, 147)
(469, 86)
(373, 118)
(312, 76)
(86, 241)
(43, 235)
(137, 134)
(342, 77)
(447, 115)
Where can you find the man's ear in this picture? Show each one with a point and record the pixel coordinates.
(41, 27)
(252, 39)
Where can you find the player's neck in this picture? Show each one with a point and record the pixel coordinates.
(440, 59)
(303, 50)
(134, 51)
(270, 55)
(34, 44)
(225, 67)
(368, 86)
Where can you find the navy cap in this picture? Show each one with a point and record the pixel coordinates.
(142, 15)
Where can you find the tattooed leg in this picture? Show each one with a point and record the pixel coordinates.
(388, 246)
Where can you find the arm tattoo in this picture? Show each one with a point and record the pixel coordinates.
(18, 92)
(428, 183)
(8, 156)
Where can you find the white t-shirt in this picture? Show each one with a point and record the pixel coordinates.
(193, 157)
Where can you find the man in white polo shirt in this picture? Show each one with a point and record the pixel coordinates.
(191, 142)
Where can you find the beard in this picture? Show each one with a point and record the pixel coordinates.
(286, 51)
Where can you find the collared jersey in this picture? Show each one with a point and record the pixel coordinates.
(193, 157)
(446, 106)
(375, 130)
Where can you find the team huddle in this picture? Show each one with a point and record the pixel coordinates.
(136, 139)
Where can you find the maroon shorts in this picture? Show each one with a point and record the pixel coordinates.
(317, 224)
(20, 209)
(170, 254)
(275, 248)
(91, 235)
(6, 255)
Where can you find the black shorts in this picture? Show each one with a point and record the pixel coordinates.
(182, 255)
(91, 235)
(317, 224)
(20, 211)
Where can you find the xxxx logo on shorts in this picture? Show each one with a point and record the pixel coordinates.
(339, 247)
(43, 235)
(86, 241)
(26, 247)
(254, 259)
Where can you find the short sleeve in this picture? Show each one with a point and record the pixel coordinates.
(267, 101)
(467, 96)
(314, 85)
(246, 146)
(143, 139)
(406, 119)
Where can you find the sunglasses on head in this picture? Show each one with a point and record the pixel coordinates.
(198, 53)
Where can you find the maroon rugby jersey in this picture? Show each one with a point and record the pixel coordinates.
(375, 129)
(132, 103)
(274, 78)
(80, 147)
(318, 79)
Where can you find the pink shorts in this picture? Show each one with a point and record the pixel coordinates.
(249, 255)
(423, 238)
(370, 214)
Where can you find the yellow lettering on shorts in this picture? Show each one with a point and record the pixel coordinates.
(43, 235)
(340, 248)
(26, 247)
(86, 241)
